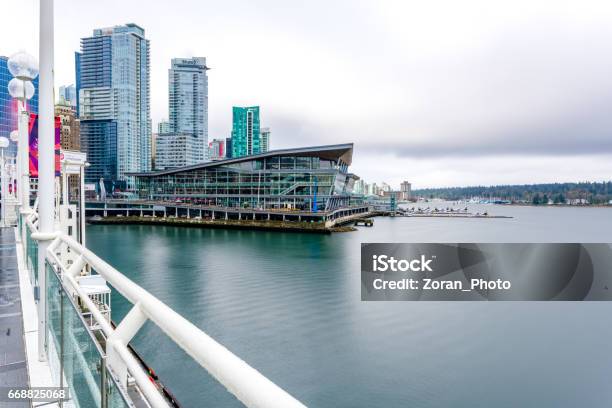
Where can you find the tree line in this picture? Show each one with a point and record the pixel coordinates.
(557, 193)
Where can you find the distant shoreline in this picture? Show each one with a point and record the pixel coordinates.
(560, 205)
(456, 202)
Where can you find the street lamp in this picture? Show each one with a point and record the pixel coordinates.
(17, 167)
(4, 143)
(21, 89)
(24, 68)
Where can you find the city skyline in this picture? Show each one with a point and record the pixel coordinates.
(513, 92)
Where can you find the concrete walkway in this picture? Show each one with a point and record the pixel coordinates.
(13, 363)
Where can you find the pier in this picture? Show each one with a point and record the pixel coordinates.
(366, 222)
(194, 215)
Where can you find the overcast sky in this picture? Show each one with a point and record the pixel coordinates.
(440, 93)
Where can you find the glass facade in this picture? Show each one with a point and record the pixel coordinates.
(113, 85)
(99, 140)
(8, 105)
(246, 136)
(293, 179)
(265, 139)
(188, 103)
(67, 95)
(77, 71)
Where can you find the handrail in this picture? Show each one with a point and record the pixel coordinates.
(243, 381)
(293, 187)
(30, 224)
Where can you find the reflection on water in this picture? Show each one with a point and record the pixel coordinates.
(288, 304)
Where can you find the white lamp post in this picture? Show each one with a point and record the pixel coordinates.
(4, 143)
(24, 68)
(46, 161)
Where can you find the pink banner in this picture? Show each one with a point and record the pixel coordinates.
(33, 136)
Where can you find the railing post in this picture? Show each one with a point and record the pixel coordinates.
(46, 161)
(82, 211)
(122, 335)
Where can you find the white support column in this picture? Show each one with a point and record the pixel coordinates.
(46, 160)
(24, 153)
(17, 174)
(64, 186)
(4, 188)
(23, 177)
(82, 212)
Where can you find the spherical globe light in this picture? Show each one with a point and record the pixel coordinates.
(20, 89)
(23, 66)
(4, 143)
(16, 88)
(15, 136)
(29, 88)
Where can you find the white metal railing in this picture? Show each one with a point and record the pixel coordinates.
(72, 260)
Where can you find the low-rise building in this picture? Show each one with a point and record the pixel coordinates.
(70, 137)
(307, 179)
(216, 149)
(173, 150)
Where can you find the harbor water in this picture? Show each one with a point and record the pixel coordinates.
(289, 304)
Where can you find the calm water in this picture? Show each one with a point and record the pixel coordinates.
(289, 305)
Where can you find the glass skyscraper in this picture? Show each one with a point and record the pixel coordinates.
(246, 136)
(265, 139)
(77, 70)
(114, 103)
(67, 94)
(8, 105)
(188, 102)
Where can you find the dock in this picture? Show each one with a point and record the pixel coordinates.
(448, 212)
(366, 222)
(454, 216)
(244, 224)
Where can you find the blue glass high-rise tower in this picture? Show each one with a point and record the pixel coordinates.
(8, 105)
(114, 103)
(77, 70)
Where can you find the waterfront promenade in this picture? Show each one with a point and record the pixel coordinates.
(13, 362)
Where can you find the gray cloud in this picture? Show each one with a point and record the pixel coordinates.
(578, 134)
(404, 80)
